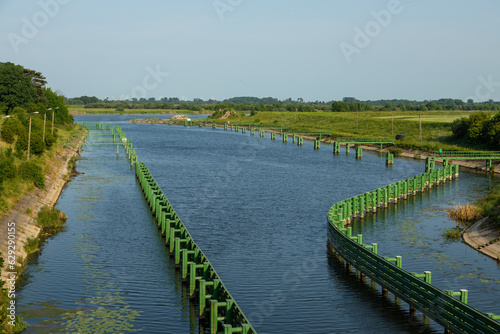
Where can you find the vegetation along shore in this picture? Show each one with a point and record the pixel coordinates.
(34, 166)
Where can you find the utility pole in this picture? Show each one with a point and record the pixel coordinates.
(393, 124)
(29, 136)
(53, 120)
(357, 124)
(44, 121)
(420, 125)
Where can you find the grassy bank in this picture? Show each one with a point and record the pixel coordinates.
(80, 110)
(13, 189)
(490, 205)
(436, 130)
(16, 187)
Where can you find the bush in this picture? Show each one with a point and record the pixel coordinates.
(36, 143)
(49, 139)
(51, 219)
(7, 169)
(32, 171)
(12, 128)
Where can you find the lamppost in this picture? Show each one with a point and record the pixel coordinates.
(44, 121)
(1, 135)
(53, 120)
(29, 136)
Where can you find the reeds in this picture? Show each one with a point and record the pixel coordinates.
(464, 213)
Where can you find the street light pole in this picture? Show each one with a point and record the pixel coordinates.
(53, 120)
(44, 121)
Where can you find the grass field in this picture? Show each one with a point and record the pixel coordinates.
(430, 116)
(80, 110)
(436, 130)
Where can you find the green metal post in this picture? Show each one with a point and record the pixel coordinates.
(359, 153)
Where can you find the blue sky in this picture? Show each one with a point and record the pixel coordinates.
(316, 50)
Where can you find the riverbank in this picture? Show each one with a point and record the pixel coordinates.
(79, 110)
(21, 219)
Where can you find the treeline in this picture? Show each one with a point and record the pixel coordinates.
(25, 100)
(481, 129)
(248, 103)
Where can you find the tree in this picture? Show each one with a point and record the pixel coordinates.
(476, 124)
(38, 81)
(61, 114)
(339, 106)
(16, 88)
(492, 132)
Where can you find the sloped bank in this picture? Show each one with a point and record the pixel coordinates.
(20, 228)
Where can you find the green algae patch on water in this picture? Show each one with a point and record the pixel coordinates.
(109, 311)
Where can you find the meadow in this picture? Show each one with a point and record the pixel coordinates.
(436, 126)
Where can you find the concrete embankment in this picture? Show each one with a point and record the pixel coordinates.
(21, 218)
(485, 239)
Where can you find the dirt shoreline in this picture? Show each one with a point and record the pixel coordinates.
(24, 223)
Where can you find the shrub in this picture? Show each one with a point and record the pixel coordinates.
(49, 139)
(51, 219)
(12, 128)
(32, 171)
(36, 143)
(7, 169)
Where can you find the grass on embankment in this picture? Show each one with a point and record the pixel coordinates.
(80, 110)
(14, 189)
(435, 134)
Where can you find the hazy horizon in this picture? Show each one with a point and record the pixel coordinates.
(320, 51)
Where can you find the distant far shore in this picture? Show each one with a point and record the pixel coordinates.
(79, 110)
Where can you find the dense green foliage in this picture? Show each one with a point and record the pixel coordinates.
(490, 205)
(27, 103)
(480, 129)
(31, 170)
(16, 88)
(255, 104)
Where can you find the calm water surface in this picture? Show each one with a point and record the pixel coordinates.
(258, 210)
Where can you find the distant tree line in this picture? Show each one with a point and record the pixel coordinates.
(255, 104)
(481, 129)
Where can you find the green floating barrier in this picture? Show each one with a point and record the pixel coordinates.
(442, 306)
(216, 303)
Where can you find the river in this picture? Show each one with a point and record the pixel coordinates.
(257, 208)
